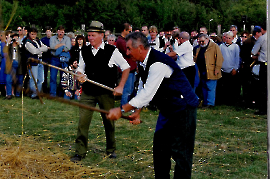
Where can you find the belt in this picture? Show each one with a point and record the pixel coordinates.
(262, 63)
(133, 71)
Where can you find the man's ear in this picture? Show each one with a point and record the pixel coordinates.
(140, 48)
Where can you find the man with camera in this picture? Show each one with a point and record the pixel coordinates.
(14, 66)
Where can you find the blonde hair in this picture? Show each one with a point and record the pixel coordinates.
(153, 28)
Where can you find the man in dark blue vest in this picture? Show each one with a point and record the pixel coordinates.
(34, 49)
(99, 63)
(163, 82)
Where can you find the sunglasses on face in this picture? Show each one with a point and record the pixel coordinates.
(244, 36)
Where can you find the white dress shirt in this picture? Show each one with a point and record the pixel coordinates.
(235, 39)
(156, 44)
(157, 72)
(185, 55)
(116, 59)
(175, 44)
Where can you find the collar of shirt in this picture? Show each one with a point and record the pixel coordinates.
(102, 45)
(58, 38)
(143, 64)
(235, 39)
(185, 43)
(227, 45)
(254, 37)
(94, 50)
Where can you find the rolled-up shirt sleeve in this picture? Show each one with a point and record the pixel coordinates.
(157, 72)
(118, 60)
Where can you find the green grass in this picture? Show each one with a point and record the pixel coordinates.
(230, 142)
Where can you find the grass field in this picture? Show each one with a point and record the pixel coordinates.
(38, 139)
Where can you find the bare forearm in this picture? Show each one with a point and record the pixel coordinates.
(124, 77)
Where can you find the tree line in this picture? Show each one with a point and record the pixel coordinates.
(186, 14)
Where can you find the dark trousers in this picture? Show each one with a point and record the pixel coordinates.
(249, 85)
(2, 90)
(104, 101)
(190, 74)
(228, 89)
(175, 139)
(262, 90)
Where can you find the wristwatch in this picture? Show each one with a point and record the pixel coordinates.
(122, 110)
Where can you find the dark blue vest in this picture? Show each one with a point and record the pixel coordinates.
(175, 93)
(97, 69)
(30, 55)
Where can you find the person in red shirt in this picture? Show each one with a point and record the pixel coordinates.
(121, 45)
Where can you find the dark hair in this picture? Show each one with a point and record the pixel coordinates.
(136, 28)
(136, 37)
(124, 26)
(61, 27)
(263, 26)
(48, 28)
(245, 32)
(71, 60)
(80, 37)
(32, 29)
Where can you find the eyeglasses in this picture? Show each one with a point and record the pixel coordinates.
(244, 36)
(111, 40)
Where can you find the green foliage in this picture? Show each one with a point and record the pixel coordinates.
(187, 14)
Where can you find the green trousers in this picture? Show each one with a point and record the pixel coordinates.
(104, 101)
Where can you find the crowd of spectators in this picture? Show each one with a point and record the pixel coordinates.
(228, 69)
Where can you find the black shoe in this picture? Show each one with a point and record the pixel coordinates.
(36, 97)
(8, 97)
(112, 155)
(76, 158)
(260, 113)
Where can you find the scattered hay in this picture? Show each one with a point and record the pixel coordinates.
(32, 160)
